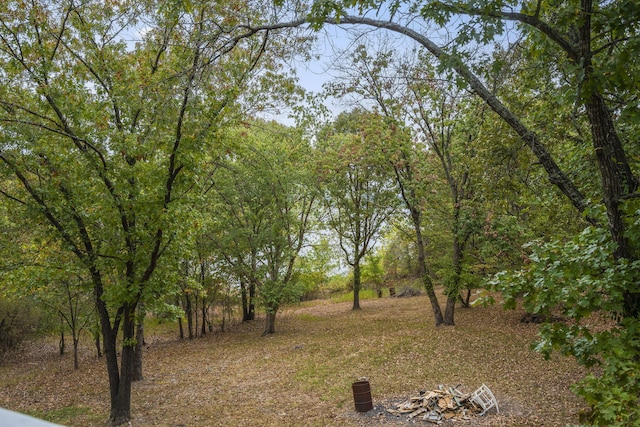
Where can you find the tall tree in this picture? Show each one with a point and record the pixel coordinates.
(264, 193)
(584, 33)
(595, 45)
(411, 91)
(358, 193)
(103, 135)
(371, 78)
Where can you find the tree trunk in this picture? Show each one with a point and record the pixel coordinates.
(76, 362)
(270, 323)
(203, 312)
(195, 314)
(137, 362)
(424, 271)
(251, 313)
(189, 313)
(248, 294)
(96, 340)
(450, 310)
(617, 182)
(464, 300)
(121, 403)
(119, 381)
(61, 343)
(453, 287)
(453, 290)
(252, 299)
(180, 326)
(356, 284)
(616, 176)
(203, 330)
(244, 300)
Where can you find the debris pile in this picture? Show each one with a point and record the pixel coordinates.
(445, 404)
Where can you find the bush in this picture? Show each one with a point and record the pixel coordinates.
(582, 281)
(17, 322)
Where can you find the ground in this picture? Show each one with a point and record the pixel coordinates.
(302, 375)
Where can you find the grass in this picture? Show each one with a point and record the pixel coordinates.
(302, 375)
(63, 415)
(365, 294)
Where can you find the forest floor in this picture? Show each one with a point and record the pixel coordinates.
(302, 375)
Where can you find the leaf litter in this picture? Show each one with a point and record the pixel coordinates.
(302, 375)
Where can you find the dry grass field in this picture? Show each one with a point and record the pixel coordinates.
(302, 375)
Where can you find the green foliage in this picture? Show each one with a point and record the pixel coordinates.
(110, 116)
(580, 279)
(373, 274)
(315, 268)
(261, 202)
(613, 393)
(572, 78)
(359, 192)
(399, 253)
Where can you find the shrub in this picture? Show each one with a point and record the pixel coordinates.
(17, 322)
(582, 281)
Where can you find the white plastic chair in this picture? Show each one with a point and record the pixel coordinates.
(485, 399)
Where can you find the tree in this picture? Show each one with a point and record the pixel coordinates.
(411, 91)
(591, 44)
(577, 33)
(103, 136)
(371, 79)
(595, 46)
(399, 252)
(264, 193)
(358, 194)
(372, 273)
(33, 269)
(323, 12)
(315, 268)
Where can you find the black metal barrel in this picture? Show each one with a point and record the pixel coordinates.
(362, 396)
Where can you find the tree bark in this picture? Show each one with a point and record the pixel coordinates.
(195, 313)
(424, 272)
(96, 340)
(247, 294)
(356, 285)
(76, 361)
(244, 299)
(119, 381)
(121, 403)
(409, 198)
(450, 310)
(137, 362)
(616, 176)
(252, 304)
(270, 323)
(61, 343)
(252, 287)
(189, 311)
(203, 329)
(453, 290)
(464, 300)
